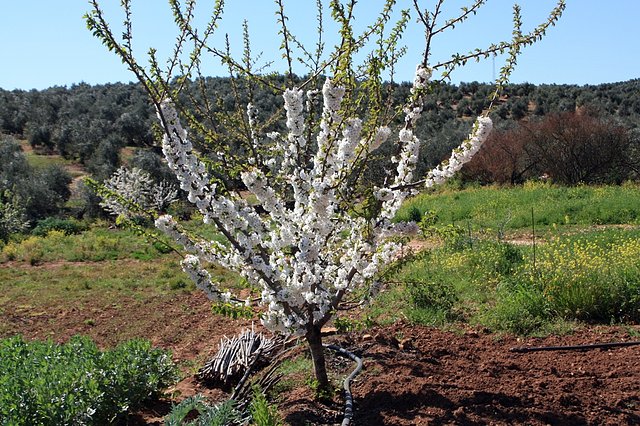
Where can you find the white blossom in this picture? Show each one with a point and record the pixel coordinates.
(202, 278)
(306, 254)
(461, 155)
(136, 190)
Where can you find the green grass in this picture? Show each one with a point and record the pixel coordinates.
(295, 372)
(592, 276)
(510, 207)
(41, 161)
(68, 284)
(78, 280)
(98, 267)
(96, 244)
(581, 273)
(100, 242)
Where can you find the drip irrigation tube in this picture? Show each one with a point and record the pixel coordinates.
(573, 348)
(348, 397)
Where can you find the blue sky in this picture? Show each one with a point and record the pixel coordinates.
(45, 43)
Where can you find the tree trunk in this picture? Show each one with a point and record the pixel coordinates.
(314, 339)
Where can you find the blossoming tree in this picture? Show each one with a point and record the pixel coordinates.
(323, 232)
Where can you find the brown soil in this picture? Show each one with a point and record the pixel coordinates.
(423, 376)
(413, 375)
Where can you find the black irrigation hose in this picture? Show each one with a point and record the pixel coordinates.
(573, 348)
(348, 408)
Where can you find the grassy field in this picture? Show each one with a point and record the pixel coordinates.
(489, 266)
(511, 208)
(589, 277)
(101, 267)
(480, 268)
(474, 270)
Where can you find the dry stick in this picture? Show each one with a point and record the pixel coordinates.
(533, 240)
(590, 346)
(235, 355)
(246, 375)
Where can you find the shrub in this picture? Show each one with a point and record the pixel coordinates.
(33, 250)
(67, 226)
(262, 413)
(433, 294)
(503, 159)
(520, 309)
(433, 302)
(40, 192)
(414, 214)
(12, 216)
(570, 147)
(45, 191)
(497, 258)
(75, 383)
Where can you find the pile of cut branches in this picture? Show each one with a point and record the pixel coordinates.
(237, 357)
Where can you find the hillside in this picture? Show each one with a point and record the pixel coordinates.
(90, 124)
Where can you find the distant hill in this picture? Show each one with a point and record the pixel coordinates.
(91, 124)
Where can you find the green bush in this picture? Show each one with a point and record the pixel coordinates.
(433, 302)
(433, 294)
(262, 413)
(75, 383)
(520, 309)
(68, 226)
(414, 214)
(494, 259)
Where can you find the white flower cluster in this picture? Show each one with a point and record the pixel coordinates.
(191, 174)
(413, 110)
(136, 189)
(461, 155)
(131, 185)
(307, 255)
(295, 140)
(202, 279)
(406, 163)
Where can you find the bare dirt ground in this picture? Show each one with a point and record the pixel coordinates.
(413, 375)
(423, 376)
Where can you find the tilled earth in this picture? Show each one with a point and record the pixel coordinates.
(424, 376)
(413, 375)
